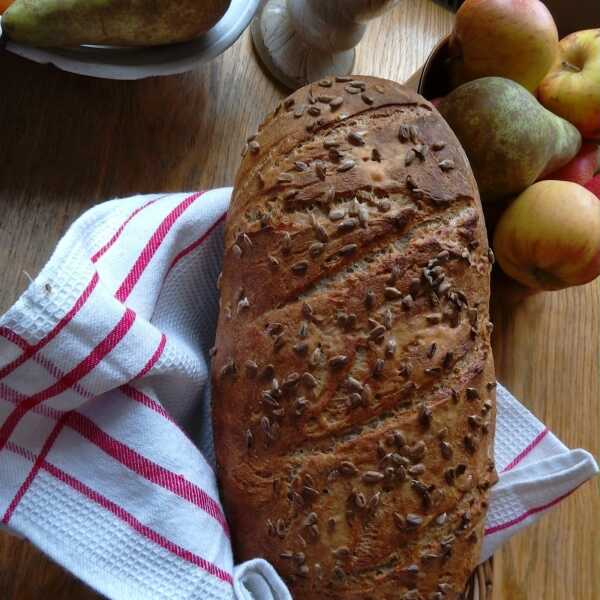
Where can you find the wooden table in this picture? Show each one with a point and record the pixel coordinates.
(68, 142)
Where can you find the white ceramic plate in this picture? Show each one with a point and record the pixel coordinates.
(137, 63)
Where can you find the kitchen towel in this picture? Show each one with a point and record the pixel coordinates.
(106, 453)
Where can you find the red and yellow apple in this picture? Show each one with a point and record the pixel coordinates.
(594, 186)
(582, 168)
(549, 236)
(515, 39)
(572, 87)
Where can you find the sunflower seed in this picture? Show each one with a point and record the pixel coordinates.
(315, 358)
(413, 520)
(336, 102)
(357, 83)
(341, 552)
(367, 99)
(237, 251)
(472, 394)
(372, 477)
(314, 111)
(474, 421)
(376, 332)
(273, 261)
(425, 415)
(390, 348)
(374, 502)
(300, 267)
(356, 138)
(320, 169)
(324, 99)
(346, 165)
(348, 249)
(446, 450)
(446, 165)
(227, 369)
(409, 157)
(470, 443)
(376, 155)
(392, 293)
(335, 214)
(423, 492)
(417, 469)
(404, 133)
(417, 451)
(354, 384)
(366, 395)
(348, 468)
(347, 224)
(432, 350)
(316, 249)
(438, 145)
(338, 361)
(359, 500)
(363, 216)
(384, 205)
(420, 150)
(432, 371)
(254, 147)
(378, 369)
(299, 111)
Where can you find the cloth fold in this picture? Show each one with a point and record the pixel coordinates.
(106, 451)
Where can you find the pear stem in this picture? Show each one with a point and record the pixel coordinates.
(570, 67)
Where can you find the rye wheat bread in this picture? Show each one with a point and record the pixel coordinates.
(353, 375)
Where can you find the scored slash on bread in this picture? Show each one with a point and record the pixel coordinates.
(353, 378)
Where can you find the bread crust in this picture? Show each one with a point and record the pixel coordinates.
(353, 380)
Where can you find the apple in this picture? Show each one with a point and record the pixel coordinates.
(572, 87)
(515, 39)
(594, 186)
(582, 168)
(549, 236)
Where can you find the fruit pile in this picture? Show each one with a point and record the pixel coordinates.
(526, 109)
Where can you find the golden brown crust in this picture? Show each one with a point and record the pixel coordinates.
(353, 376)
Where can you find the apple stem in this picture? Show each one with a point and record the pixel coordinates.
(570, 67)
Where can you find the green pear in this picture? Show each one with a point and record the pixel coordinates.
(112, 22)
(510, 138)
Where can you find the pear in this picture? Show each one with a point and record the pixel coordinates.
(111, 22)
(510, 138)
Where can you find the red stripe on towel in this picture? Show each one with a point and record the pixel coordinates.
(71, 378)
(9, 368)
(175, 483)
(528, 513)
(196, 243)
(94, 258)
(538, 438)
(34, 470)
(152, 246)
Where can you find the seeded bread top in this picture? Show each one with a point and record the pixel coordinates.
(353, 376)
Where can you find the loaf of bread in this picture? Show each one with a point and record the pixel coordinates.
(353, 377)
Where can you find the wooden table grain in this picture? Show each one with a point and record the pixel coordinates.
(68, 142)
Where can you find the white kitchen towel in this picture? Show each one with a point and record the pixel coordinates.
(106, 455)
